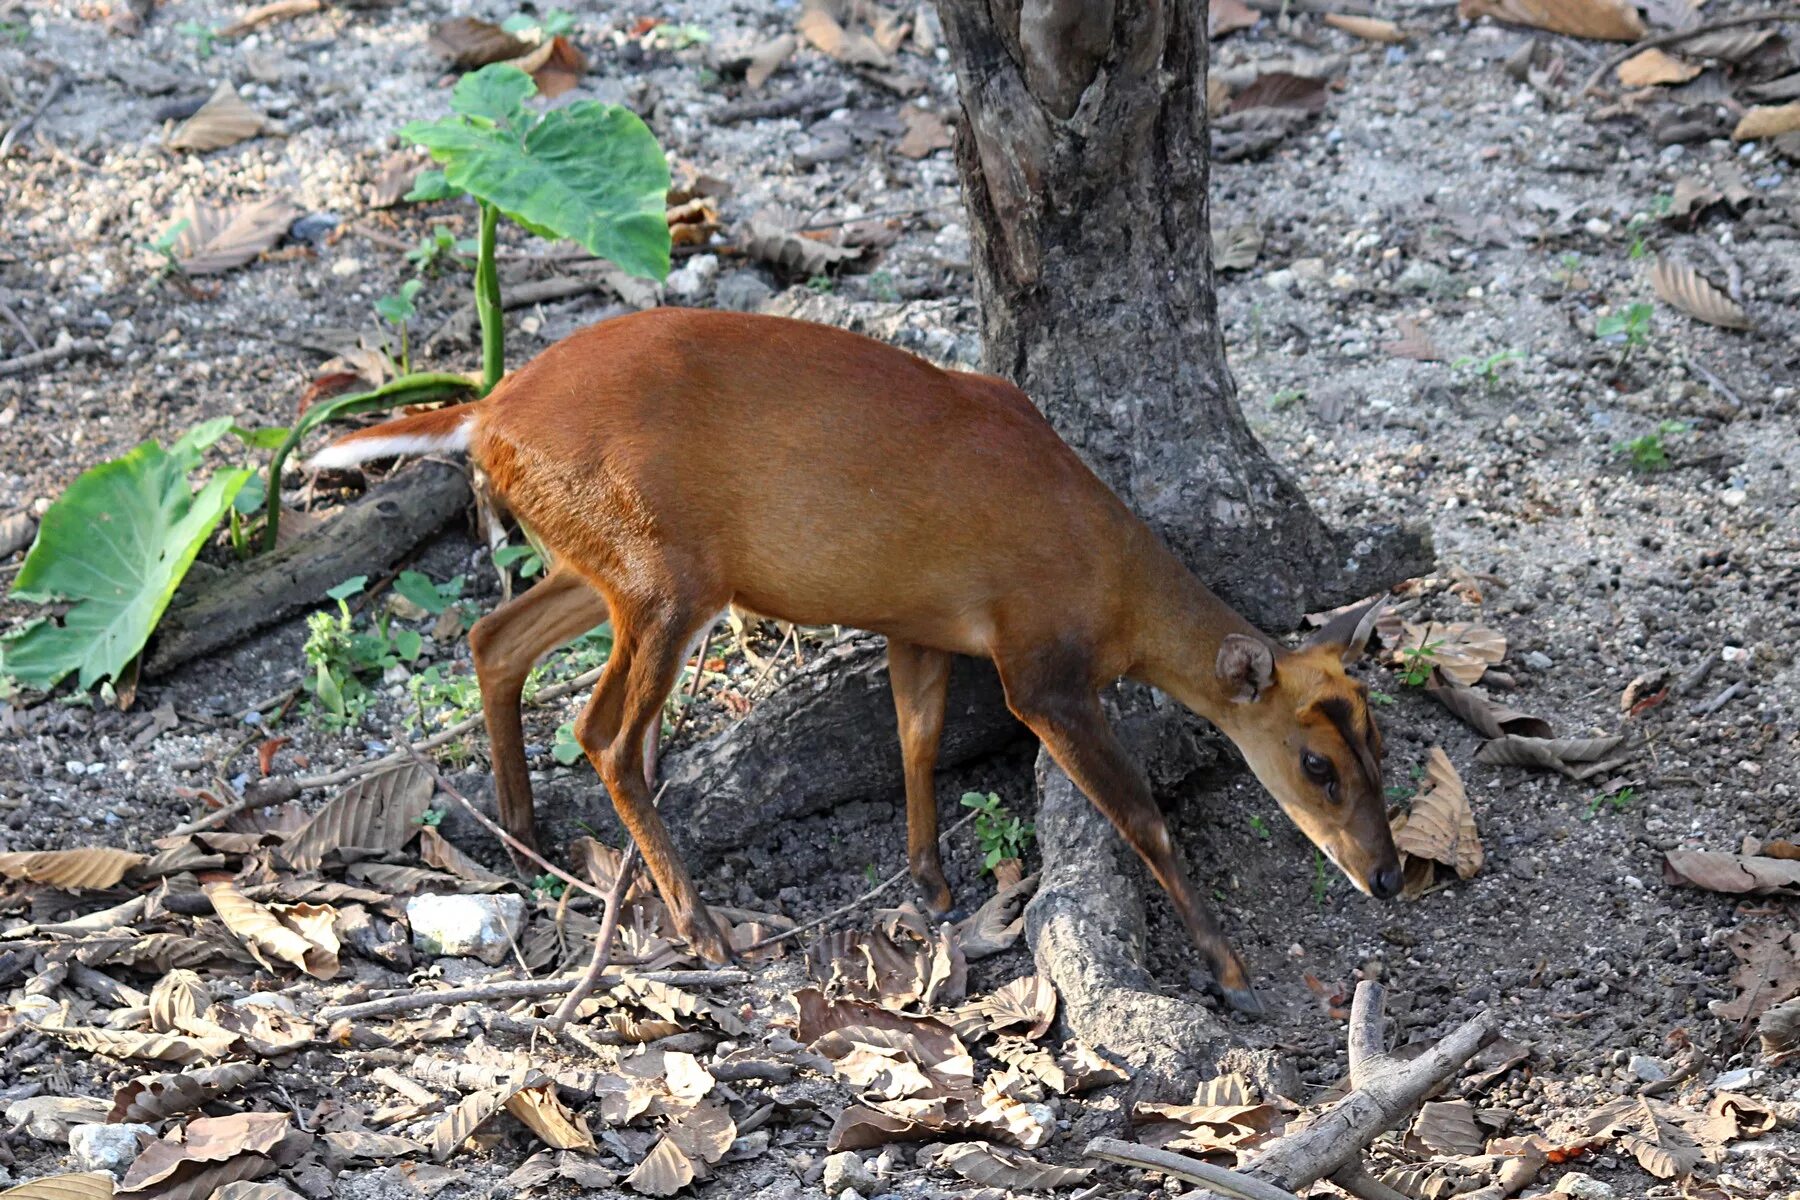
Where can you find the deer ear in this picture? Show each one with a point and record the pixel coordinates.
(1246, 666)
(1349, 631)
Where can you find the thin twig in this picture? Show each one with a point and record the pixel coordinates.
(522, 989)
(855, 904)
(12, 318)
(65, 347)
(918, 210)
(1682, 35)
(443, 737)
(609, 925)
(1222, 1180)
(512, 843)
(58, 85)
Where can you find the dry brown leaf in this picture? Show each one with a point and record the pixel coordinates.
(89, 1185)
(1578, 758)
(1413, 342)
(1230, 1088)
(1605, 20)
(623, 1099)
(1029, 1000)
(1281, 90)
(152, 1098)
(437, 851)
(998, 923)
(218, 239)
(991, 1166)
(83, 869)
(158, 1047)
(177, 996)
(675, 1005)
(1441, 825)
(680, 1072)
(1462, 651)
(1235, 247)
(224, 120)
(853, 46)
(768, 58)
(541, 1110)
(1653, 67)
(1767, 973)
(1372, 29)
(705, 1133)
(926, 132)
(379, 812)
(1779, 1032)
(1650, 1132)
(1485, 715)
(267, 937)
(209, 1140)
(394, 179)
(556, 66)
(1682, 287)
(664, 1171)
(49, 1118)
(1074, 1069)
(1204, 1128)
(470, 1113)
(1448, 1127)
(1228, 16)
(469, 43)
(791, 251)
(1717, 871)
(1767, 121)
(1726, 45)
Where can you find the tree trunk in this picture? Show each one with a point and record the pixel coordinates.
(1084, 164)
(1083, 154)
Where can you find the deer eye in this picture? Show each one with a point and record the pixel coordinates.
(1318, 768)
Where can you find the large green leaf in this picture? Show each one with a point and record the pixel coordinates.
(116, 544)
(589, 172)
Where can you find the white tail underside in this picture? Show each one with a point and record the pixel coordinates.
(360, 450)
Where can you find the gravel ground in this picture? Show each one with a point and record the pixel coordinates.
(1499, 217)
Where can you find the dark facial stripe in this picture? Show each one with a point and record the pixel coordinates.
(1337, 710)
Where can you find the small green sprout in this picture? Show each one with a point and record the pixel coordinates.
(1419, 662)
(1259, 827)
(1649, 453)
(1001, 835)
(1617, 801)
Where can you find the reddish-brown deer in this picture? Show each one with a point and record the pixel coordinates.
(678, 461)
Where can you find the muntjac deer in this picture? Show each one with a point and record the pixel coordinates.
(678, 461)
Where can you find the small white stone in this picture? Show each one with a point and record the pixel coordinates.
(465, 926)
(1584, 1187)
(343, 268)
(1647, 1069)
(845, 1173)
(268, 1000)
(1738, 1080)
(1732, 497)
(109, 1148)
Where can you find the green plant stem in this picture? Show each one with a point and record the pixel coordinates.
(487, 302)
(407, 389)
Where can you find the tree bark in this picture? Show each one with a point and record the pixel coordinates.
(1084, 162)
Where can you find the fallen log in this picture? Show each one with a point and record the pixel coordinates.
(827, 736)
(367, 538)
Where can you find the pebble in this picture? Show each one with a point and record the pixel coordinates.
(1584, 1187)
(1743, 1077)
(845, 1172)
(1647, 1069)
(465, 926)
(1732, 497)
(742, 291)
(121, 333)
(1537, 660)
(109, 1148)
(343, 268)
(693, 280)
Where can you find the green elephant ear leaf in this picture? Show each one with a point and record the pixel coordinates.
(588, 172)
(116, 545)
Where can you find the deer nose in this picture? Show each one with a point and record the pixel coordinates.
(1387, 882)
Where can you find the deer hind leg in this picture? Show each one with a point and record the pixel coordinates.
(506, 644)
(919, 677)
(1067, 718)
(626, 703)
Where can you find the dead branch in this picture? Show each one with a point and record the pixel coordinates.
(1221, 1180)
(522, 989)
(609, 925)
(65, 347)
(1682, 35)
(1386, 1092)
